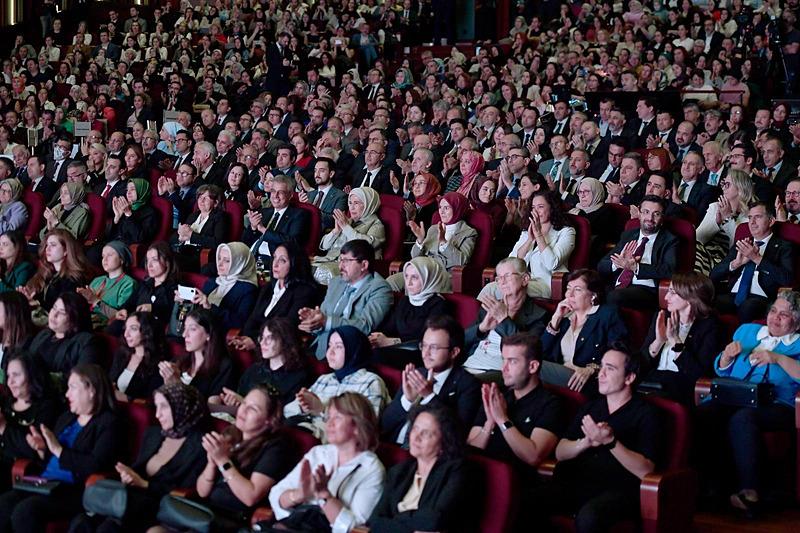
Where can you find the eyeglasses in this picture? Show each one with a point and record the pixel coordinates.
(347, 259)
(725, 184)
(432, 347)
(508, 277)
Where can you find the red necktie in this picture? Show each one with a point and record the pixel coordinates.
(626, 277)
(106, 191)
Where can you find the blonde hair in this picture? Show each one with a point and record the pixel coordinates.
(360, 410)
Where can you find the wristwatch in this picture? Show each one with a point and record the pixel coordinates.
(225, 467)
(505, 426)
(610, 445)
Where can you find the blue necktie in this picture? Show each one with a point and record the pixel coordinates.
(746, 280)
(344, 301)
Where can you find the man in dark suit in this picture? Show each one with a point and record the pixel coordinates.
(154, 159)
(631, 186)
(712, 39)
(181, 192)
(750, 276)
(561, 114)
(38, 181)
(607, 168)
(56, 168)
(326, 197)
(278, 224)
(645, 123)
(776, 168)
(439, 382)
(691, 191)
(114, 185)
(665, 134)
(685, 141)
(113, 52)
(373, 174)
(279, 66)
(642, 257)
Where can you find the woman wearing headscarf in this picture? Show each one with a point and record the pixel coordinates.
(484, 198)
(232, 294)
(109, 293)
(470, 165)
(135, 220)
(71, 213)
(168, 133)
(450, 241)
(421, 200)
(425, 280)
(362, 223)
(403, 79)
(171, 456)
(591, 206)
(348, 353)
(13, 213)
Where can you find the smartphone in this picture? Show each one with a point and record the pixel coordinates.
(186, 293)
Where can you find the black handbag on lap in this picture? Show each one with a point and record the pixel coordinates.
(107, 497)
(185, 514)
(743, 393)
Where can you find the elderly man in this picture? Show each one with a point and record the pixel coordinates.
(500, 317)
(788, 210)
(203, 160)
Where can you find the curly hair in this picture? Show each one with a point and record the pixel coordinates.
(152, 339)
(285, 334)
(557, 217)
(452, 433)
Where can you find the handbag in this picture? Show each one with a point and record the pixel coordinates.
(36, 485)
(305, 518)
(743, 393)
(182, 513)
(107, 497)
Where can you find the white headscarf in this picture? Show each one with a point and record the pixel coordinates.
(370, 198)
(434, 279)
(243, 268)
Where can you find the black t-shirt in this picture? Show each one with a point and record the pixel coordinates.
(274, 460)
(288, 382)
(537, 409)
(635, 425)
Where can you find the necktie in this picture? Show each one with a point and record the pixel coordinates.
(682, 190)
(793, 219)
(318, 198)
(681, 154)
(554, 170)
(746, 280)
(771, 173)
(178, 162)
(526, 139)
(106, 191)
(626, 277)
(642, 126)
(367, 179)
(273, 221)
(713, 178)
(558, 128)
(344, 301)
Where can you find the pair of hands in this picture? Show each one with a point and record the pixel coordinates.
(667, 327)
(418, 229)
(726, 209)
(313, 482)
(496, 312)
(309, 402)
(625, 260)
(534, 226)
(89, 295)
(41, 439)
(184, 232)
(217, 447)
(199, 298)
(746, 251)
(241, 342)
(494, 405)
(596, 433)
(169, 372)
(311, 319)
(340, 220)
(121, 207)
(757, 358)
(416, 386)
(166, 185)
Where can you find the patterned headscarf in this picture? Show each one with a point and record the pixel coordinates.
(188, 407)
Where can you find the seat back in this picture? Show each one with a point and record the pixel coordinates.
(163, 207)
(583, 235)
(392, 200)
(482, 223)
(496, 506)
(676, 426)
(392, 377)
(302, 440)
(192, 279)
(97, 208)
(686, 236)
(138, 416)
(464, 307)
(395, 226)
(638, 324)
(235, 220)
(34, 201)
(571, 400)
(619, 217)
(109, 343)
(315, 227)
(391, 454)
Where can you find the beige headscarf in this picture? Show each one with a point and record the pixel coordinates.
(434, 279)
(371, 200)
(598, 196)
(243, 268)
(16, 192)
(77, 195)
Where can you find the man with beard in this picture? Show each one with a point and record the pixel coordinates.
(788, 210)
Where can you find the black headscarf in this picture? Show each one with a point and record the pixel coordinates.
(357, 350)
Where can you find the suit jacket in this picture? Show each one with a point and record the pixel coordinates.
(786, 173)
(635, 195)
(662, 262)
(599, 166)
(293, 226)
(366, 310)
(439, 503)
(716, 40)
(120, 188)
(235, 307)
(601, 329)
(298, 295)
(46, 186)
(113, 51)
(214, 231)
(95, 448)
(185, 205)
(277, 78)
(694, 147)
(547, 165)
(701, 197)
(640, 140)
(152, 160)
(461, 392)
(50, 171)
(334, 199)
(457, 253)
(381, 182)
(774, 271)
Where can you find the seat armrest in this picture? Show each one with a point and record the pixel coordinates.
(547, 468)
(184, 492)
(204, 253)
(20, 469)
(667, 500)
(395, 267)
(94, 478)
(702, 390)
(487, 276)
(262, 514)
(457, 277)
(360, 529)
(558, 284)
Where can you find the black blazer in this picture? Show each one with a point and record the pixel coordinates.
(62, 356)
(774, 271)
(601, 328)
(95, 448)
(180, 471)
(461, 392)
(13, 441)
(214, 231)
(700, 197)
(293, 226)
(701, 347)
(787, 173)
(47, 187)
(120, 188)
(139, 228)
(382, 182)
(298, 295)
(439, 504)
(640, 141)
(143, 382)
(662, 263)
(184, 205)
(635, 195)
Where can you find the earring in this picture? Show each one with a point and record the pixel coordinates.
(594, 299)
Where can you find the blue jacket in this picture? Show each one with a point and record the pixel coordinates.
(236, 305)
(785, 385)
(602, 328)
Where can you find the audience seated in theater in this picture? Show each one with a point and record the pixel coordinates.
(642, 257)
(348, 354)
(342, 480)
(522, 423)
(757, 354)
(231, 295)
(683, 338)
(716, 233)
(15, 268)
(357, 297)
(170, 457)
(13, 213)
(512, 311)
(83, 441)
(62, 267)
(243, 462)
(67, 340)
(754, 269)
(610, 445)
(30, 402)
(71, 213)
(156, 294)
(16, 329)
(134, 369)
(360, 222)
(109, 293)
(282, 364)
(576, 337)
(424, 281)
(438, 382)
(206, 365)
(432, 504)
(205, 228)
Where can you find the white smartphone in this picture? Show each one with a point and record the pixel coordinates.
(186, 293)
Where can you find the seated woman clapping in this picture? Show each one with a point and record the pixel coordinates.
(424, 492)
(13, 213)
(109, 293)
(71, 213)
(336, 485)
(348, 354)
(134, 370)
